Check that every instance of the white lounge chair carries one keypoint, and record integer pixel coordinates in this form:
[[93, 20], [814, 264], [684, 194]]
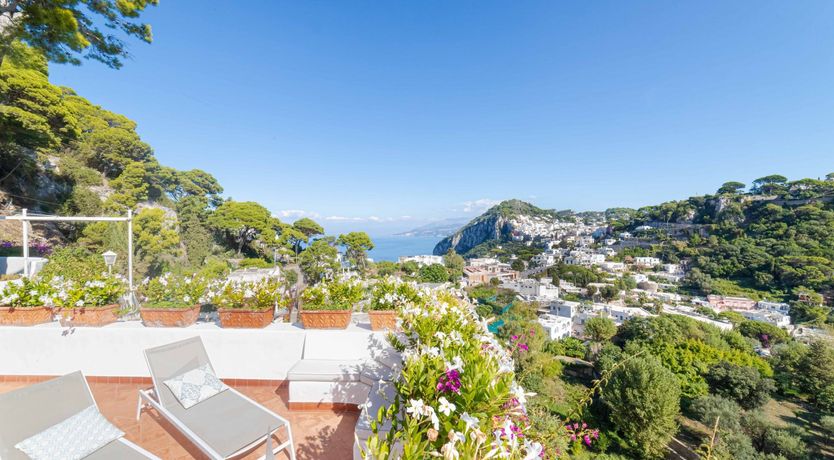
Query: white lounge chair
[[30, 410], [223, 426]]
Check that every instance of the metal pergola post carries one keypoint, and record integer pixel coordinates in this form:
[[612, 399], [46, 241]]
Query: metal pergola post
[[25, 219]]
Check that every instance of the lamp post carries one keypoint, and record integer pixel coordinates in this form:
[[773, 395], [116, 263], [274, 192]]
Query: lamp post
[[109, 260]]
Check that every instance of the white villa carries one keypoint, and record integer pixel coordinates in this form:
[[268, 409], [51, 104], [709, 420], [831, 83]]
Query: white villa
[[533, 289], [556, 327], [422, 259]]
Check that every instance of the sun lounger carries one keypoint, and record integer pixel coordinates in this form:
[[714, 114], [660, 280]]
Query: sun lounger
[[223, 426]]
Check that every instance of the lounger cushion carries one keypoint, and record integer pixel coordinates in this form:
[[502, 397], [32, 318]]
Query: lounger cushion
[[74, 438], [195, 386], [117, 450], [325, 370], [228, 422]]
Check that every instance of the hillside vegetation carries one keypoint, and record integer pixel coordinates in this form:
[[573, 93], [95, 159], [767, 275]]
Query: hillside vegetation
[[774, 240]]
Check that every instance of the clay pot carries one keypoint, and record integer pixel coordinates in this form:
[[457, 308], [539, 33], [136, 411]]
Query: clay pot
[[169, 317]]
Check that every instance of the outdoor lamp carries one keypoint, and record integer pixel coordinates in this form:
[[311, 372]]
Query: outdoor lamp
[[109, 259]]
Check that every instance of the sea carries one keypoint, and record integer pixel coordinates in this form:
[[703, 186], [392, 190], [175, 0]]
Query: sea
[[392, 247]]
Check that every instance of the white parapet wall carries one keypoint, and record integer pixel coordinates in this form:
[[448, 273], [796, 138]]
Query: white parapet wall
[[116, 350]]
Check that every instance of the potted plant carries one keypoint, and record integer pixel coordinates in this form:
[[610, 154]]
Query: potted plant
[[247, 304], [93, 302], [171, 300], [387, 297], [329, 305], [25, 303]]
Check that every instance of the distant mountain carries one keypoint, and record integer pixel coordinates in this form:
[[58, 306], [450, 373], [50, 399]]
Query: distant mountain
[[495, 225], [439, 229]]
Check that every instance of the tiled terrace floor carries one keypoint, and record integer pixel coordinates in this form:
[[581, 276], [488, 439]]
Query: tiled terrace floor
[[322, 434]]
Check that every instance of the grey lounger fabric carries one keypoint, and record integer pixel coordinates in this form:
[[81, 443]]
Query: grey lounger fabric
[[32, 409], [226, 422]]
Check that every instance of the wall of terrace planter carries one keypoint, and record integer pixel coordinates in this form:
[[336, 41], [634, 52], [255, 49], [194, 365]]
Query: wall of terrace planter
[[169, 317], [325, 319], [25, 316], [239, 318], [89, 316], [383, 320]]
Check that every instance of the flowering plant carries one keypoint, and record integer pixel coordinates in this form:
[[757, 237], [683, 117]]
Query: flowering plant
[[97, 292], [27, 293], [392, 294], [250, 295], [173, 291], [456, 394], [341, 294]]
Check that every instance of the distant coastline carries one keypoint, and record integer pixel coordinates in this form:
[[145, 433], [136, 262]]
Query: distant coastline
[[392, 247]]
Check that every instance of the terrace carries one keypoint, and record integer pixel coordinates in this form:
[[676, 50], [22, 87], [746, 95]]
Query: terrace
[[255, 362]]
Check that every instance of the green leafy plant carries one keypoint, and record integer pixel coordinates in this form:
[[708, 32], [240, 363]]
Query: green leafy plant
[[341, 294], [97, 292], [246, 295], [392, 294], [27, 293], [173, 291]]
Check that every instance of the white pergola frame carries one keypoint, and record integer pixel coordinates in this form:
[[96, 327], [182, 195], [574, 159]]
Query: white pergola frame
[[25, 218]]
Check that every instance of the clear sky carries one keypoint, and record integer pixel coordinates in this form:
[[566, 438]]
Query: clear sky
[[383, 115]]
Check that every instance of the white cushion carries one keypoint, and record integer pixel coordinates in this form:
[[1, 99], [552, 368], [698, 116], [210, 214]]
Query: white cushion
[[325, 370], [74, 438], [195, 386]]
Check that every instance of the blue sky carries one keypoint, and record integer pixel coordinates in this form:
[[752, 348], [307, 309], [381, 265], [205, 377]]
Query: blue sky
[[383, 115]]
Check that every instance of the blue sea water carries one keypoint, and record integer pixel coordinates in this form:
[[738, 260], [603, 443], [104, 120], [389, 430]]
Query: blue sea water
[[392, 247]]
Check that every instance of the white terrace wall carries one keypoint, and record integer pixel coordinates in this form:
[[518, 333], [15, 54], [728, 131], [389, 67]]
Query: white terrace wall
[[116, 350]]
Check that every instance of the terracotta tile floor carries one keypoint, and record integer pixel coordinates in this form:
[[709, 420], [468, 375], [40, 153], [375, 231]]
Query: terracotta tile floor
[[321, 434]]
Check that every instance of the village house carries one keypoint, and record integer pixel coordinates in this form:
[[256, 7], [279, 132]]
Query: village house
[[422, 259], [720, 303]]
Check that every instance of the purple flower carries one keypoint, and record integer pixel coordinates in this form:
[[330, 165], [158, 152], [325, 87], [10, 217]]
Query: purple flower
[[587, 440]]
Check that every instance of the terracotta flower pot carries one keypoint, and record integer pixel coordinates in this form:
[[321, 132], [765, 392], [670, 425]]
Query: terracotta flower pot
[[169, 317], [240, 318], [325, 319], [89, 316], [382, 320], [25, 316]]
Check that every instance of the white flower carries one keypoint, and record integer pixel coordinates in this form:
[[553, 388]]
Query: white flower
[[186, 299], [446, 408], [533, 449], [79, 303], [416, 408], [456, 364], [471, 422]]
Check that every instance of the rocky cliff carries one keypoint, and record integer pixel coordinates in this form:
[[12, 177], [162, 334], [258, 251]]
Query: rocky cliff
[[496, 224]]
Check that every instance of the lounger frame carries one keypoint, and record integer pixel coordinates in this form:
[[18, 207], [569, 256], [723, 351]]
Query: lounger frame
[[149, 397]]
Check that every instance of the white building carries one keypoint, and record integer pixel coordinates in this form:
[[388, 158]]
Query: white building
[[556, 327], [613, 267], [690, 312], [483, 262], [771, 317], [646, 261], [532, 289], [778, 307], [565, 308], [617, 314], [422, 259]]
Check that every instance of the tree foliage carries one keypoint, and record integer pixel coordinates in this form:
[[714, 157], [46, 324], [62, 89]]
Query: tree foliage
[[644, 400], [63, 30]]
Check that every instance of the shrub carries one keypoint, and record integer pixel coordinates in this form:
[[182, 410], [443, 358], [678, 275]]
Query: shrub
[[600, 329], [97, 292], [456, 396], [644, 399], [742, 384], [392, 294], [335, 295], [173, 291], [27, 293], [434, 273], [254, 263], [76, 264], [707, 408], [257, 295]]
